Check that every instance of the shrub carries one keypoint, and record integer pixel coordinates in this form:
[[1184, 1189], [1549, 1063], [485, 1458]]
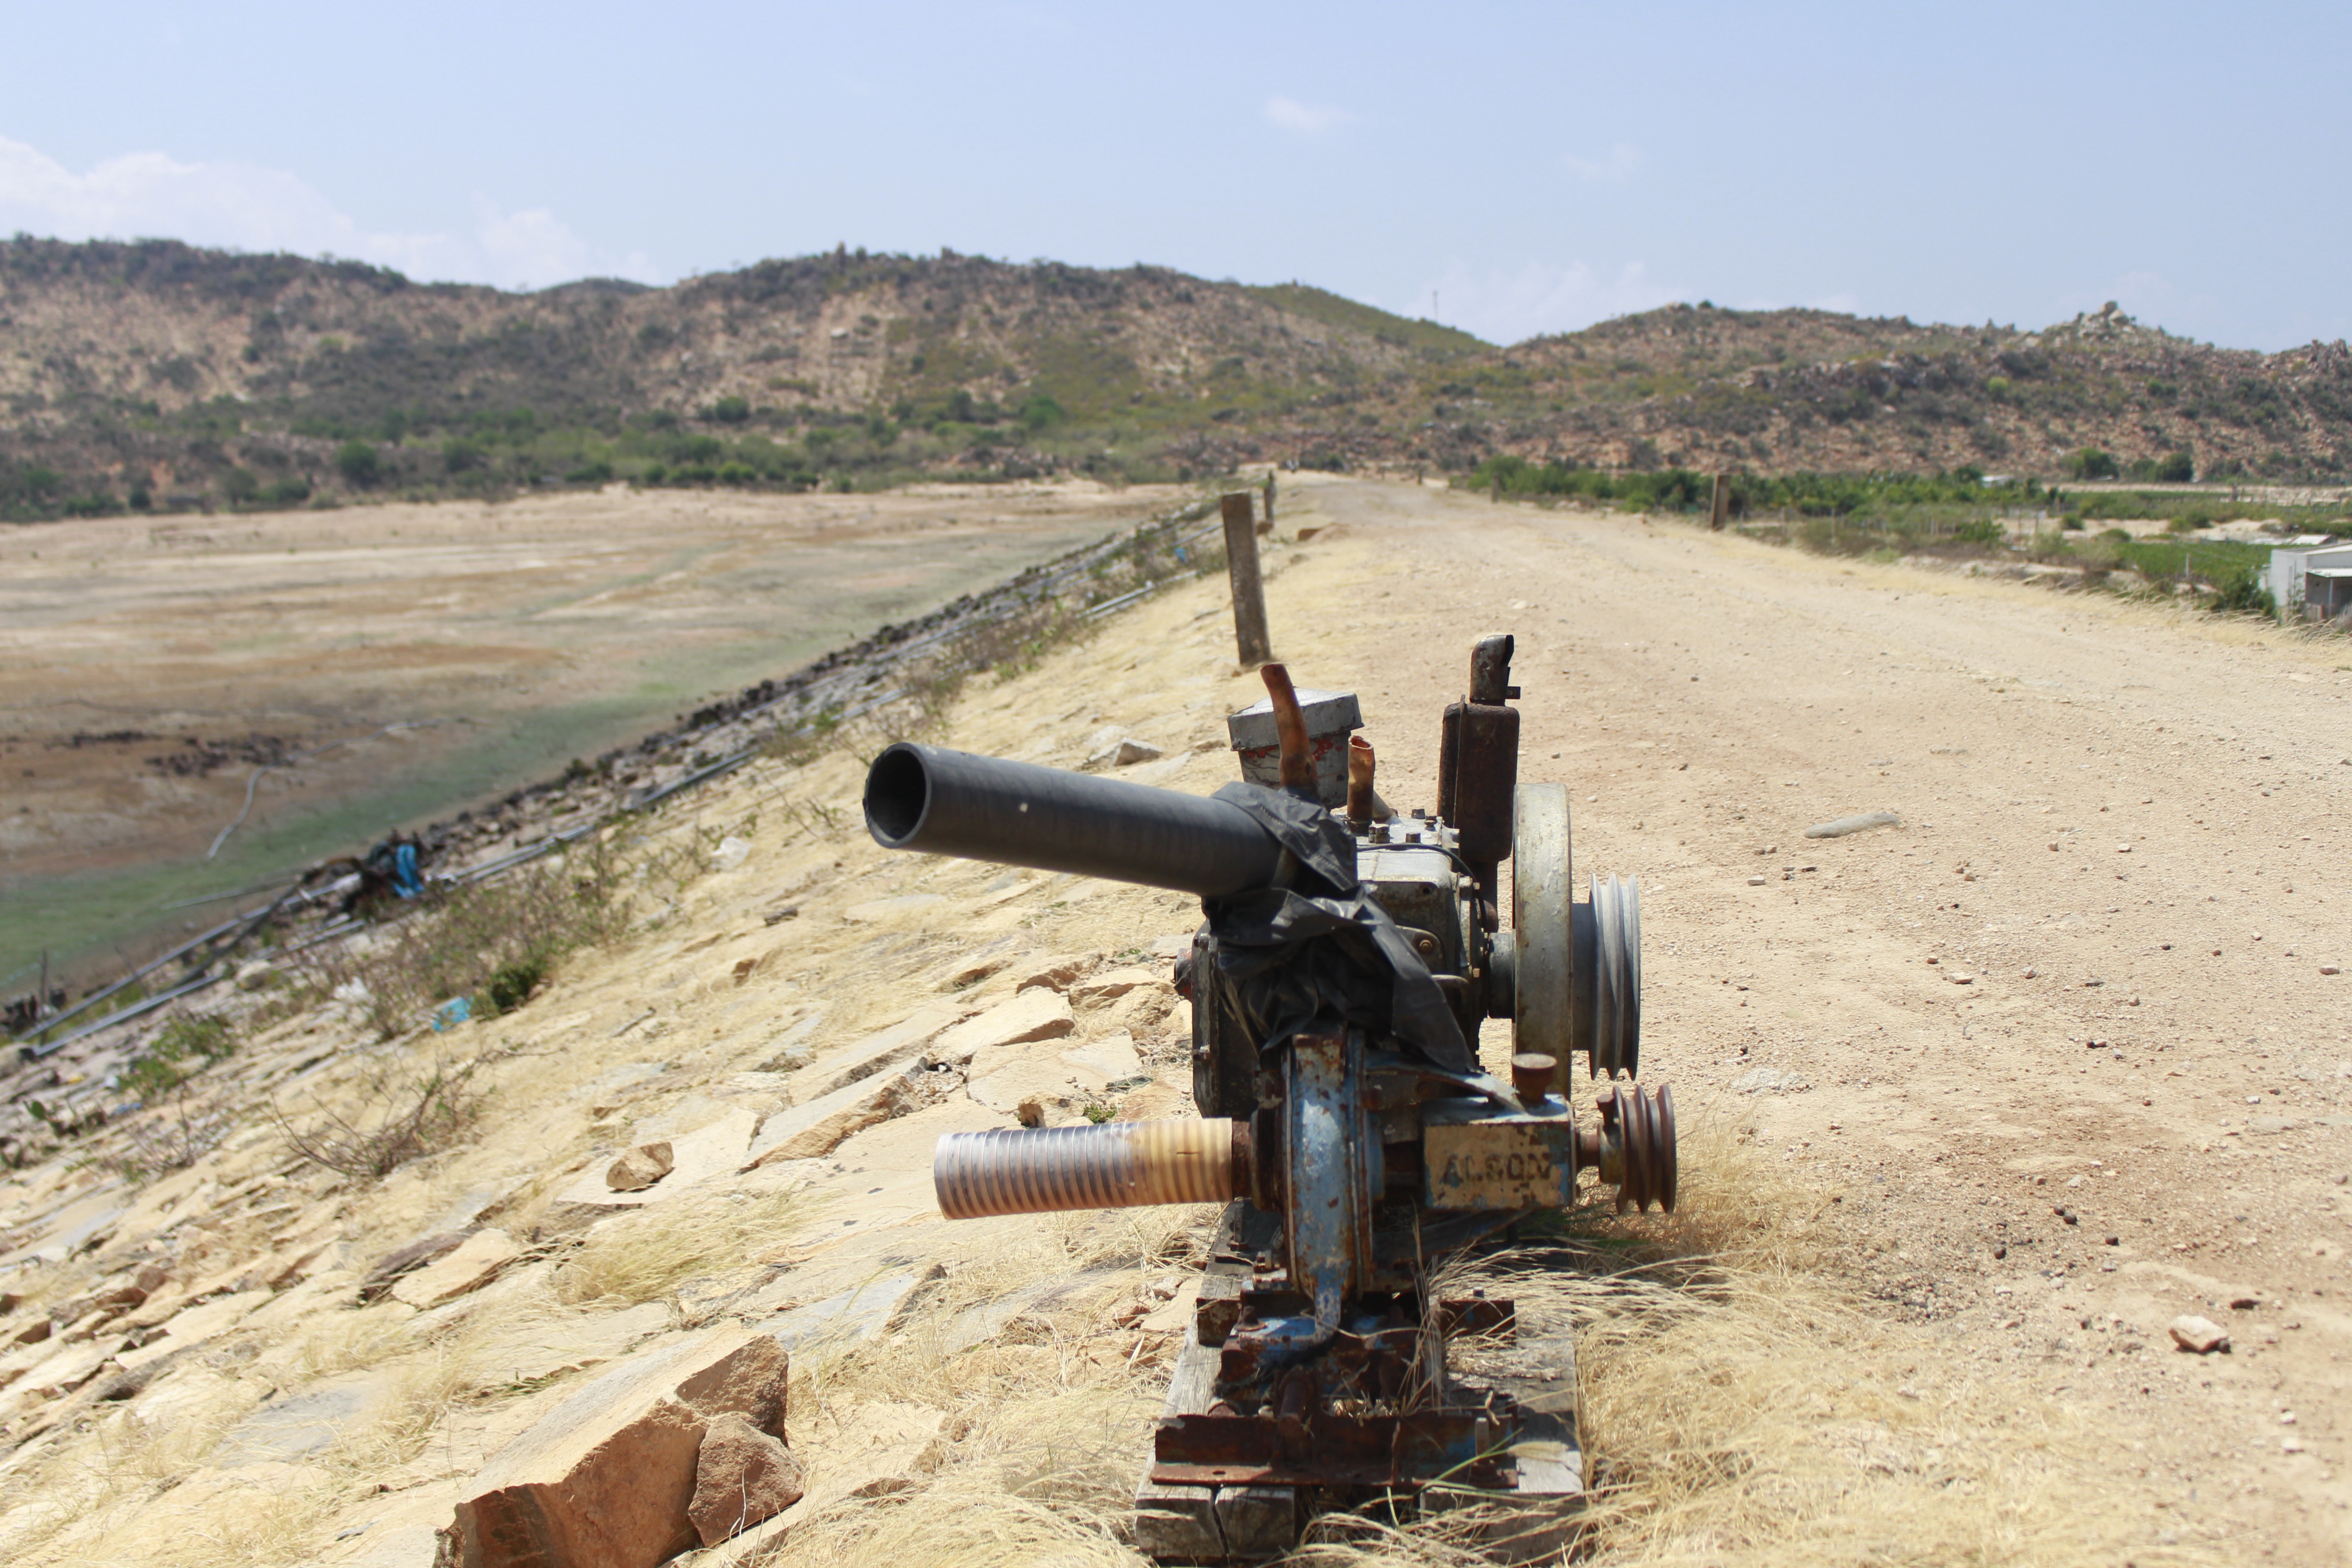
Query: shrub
[[240, 486], [2097, 556], [1041, 412], [1983, 531], [730, 410], [357, 462], [464, 939], [510, 986], [288, 493], [182, 1048], [459, 455], [2091, 463], [2242, 594], [2177, 469]]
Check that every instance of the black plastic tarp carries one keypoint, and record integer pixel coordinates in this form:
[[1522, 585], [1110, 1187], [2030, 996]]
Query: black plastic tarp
[[1321, 949]]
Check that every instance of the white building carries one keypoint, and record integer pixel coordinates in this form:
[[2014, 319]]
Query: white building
[[2314, 583]]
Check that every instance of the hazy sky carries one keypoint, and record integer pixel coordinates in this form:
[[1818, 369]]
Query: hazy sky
[[1539, 167]]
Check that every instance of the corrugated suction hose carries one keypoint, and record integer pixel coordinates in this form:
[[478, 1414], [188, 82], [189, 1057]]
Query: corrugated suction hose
[[1119, 1164]]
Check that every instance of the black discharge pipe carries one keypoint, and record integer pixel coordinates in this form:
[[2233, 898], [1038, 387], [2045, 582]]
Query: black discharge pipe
[[1018, 814]]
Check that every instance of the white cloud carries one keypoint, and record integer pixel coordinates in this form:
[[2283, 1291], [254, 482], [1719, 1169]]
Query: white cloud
[[244, 206], [1306, 118], [1612, 167], [1504, 306]]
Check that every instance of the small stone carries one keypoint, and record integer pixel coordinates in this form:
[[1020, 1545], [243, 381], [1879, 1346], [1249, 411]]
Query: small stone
[[1755, 882], [640, 1168], [2122, 849], [2329, 969], [2201, 1335]]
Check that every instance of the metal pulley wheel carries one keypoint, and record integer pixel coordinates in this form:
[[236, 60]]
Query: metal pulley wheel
[[1543, 958], [1607, 977], [1575, 969], [1646, 1163]]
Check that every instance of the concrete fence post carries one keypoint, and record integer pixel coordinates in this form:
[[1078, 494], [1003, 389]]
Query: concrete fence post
[[1719, 507]]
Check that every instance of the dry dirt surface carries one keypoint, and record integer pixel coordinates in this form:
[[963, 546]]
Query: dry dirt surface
[[392, 663], [1968, 1121], [2067, 1049]]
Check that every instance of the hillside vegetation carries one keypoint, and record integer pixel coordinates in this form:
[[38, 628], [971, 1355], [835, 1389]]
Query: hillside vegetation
[[157, 375]]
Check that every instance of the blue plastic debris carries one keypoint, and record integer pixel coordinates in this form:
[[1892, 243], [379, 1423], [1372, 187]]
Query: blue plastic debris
[[452, 1013], [404, 880]]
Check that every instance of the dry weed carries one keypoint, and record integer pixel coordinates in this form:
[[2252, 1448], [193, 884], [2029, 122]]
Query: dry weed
[[401, 1116], [642, 1256], [1742, 1402]]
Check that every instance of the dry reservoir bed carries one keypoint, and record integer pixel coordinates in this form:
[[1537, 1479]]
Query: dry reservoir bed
[[149, 667], [1974, 1107]]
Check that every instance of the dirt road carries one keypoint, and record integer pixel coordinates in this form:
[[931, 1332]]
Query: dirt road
[[2067, 1045]]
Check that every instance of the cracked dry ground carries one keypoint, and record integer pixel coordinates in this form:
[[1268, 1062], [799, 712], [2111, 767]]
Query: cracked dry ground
[[1962, 1057]]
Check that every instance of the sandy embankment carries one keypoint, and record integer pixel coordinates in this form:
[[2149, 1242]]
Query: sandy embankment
[[1923, 1354]]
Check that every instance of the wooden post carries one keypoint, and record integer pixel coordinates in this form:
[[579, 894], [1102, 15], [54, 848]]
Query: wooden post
[[1269, 501], [1249, 589], [1719, 507]]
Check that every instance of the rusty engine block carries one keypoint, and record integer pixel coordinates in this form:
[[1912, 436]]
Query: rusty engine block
[[1337, 985]]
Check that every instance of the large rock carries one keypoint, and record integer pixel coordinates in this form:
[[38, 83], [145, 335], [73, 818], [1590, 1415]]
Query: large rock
[[195, 1325], [812, 1130], [742, 1477], [1113, 983], [607, 1479], [877, 1053], [472, 1265], [378, 1281], [1037, 1013]]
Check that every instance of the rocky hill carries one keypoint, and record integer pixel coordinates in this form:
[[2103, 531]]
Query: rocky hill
[[156, 375]]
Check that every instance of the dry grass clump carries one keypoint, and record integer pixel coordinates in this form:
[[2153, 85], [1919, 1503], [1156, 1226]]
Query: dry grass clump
[[1046, 1418], [646, 1255], [1741, 1402]]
